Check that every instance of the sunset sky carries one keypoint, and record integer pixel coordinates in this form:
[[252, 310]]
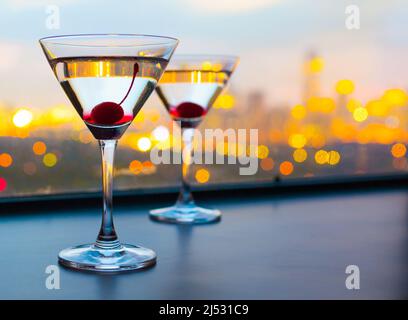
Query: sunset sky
[[272, 38]]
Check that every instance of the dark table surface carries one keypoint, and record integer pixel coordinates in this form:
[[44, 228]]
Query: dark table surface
[[266, 247]]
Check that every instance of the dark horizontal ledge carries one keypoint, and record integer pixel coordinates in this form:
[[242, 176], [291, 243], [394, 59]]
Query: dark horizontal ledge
[[303, 186]]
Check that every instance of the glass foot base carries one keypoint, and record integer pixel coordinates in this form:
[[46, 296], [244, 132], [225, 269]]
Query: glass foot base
[[89, 257], [185, 215]]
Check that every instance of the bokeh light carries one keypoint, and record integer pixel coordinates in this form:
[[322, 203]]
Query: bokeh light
[[39, 148], [50, 160], [29, 168], [300, 155], [144, 144], [22, 118], [315, 65], [135, 167], [334, 157], [202, 175], [321, 157], [298, 112], [398, 150], [378, 108], [353, 104], [148, 167], [297, 140], [321, 104], [3, 184], [262, 152], [267, 164], [400, 163], [360, 114], [396, 97], [392, 122], [224, 101], [286, 168], [161, 133], [6, 160], [344, 87], [206, 65]]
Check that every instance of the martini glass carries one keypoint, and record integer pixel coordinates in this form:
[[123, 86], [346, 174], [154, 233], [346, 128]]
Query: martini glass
[[108, 78], [188, 89]]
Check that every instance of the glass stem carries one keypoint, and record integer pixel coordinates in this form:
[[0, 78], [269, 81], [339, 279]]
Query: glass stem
[[107, 238], [185, 197]]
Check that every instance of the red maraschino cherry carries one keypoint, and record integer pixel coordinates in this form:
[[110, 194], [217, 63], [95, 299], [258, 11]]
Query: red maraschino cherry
[[108, 112], [188, 110]]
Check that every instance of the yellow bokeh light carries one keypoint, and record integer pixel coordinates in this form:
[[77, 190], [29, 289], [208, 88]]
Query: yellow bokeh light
[[396, 97], [39, 148], [321, 157], [297, 140], [206, 66], [321, 104], [144, 144], [398, 150], [6, 160], [298, 112], [262, 152], [300, 155], [140, 117], [61, 113], [50, 160], [217, 67], [224, 101], [353, 104], [344, 87], [202, 175], [378, 108], [22, 118], [315, 65], [135, 167], [360, 114], [334, 157], [286, 168]]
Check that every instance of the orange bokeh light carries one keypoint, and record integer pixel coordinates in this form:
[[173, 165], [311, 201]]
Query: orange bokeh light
[[398, 150], [202, 175], [267, 164], [286, 168], [39, 148], [136, 167], [5, 160], [148, 167]]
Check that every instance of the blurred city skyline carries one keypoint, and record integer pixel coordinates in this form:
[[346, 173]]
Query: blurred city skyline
[[272, 38]]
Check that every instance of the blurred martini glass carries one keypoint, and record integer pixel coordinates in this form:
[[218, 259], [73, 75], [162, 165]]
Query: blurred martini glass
[[188, 89], [108, 78]]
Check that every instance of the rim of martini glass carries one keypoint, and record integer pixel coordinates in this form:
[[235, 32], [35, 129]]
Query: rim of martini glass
[[50, 39], [203, 56], [177, 58]]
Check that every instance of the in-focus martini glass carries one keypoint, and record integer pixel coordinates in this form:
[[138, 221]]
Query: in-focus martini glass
[[108, 79], [188, 89]]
